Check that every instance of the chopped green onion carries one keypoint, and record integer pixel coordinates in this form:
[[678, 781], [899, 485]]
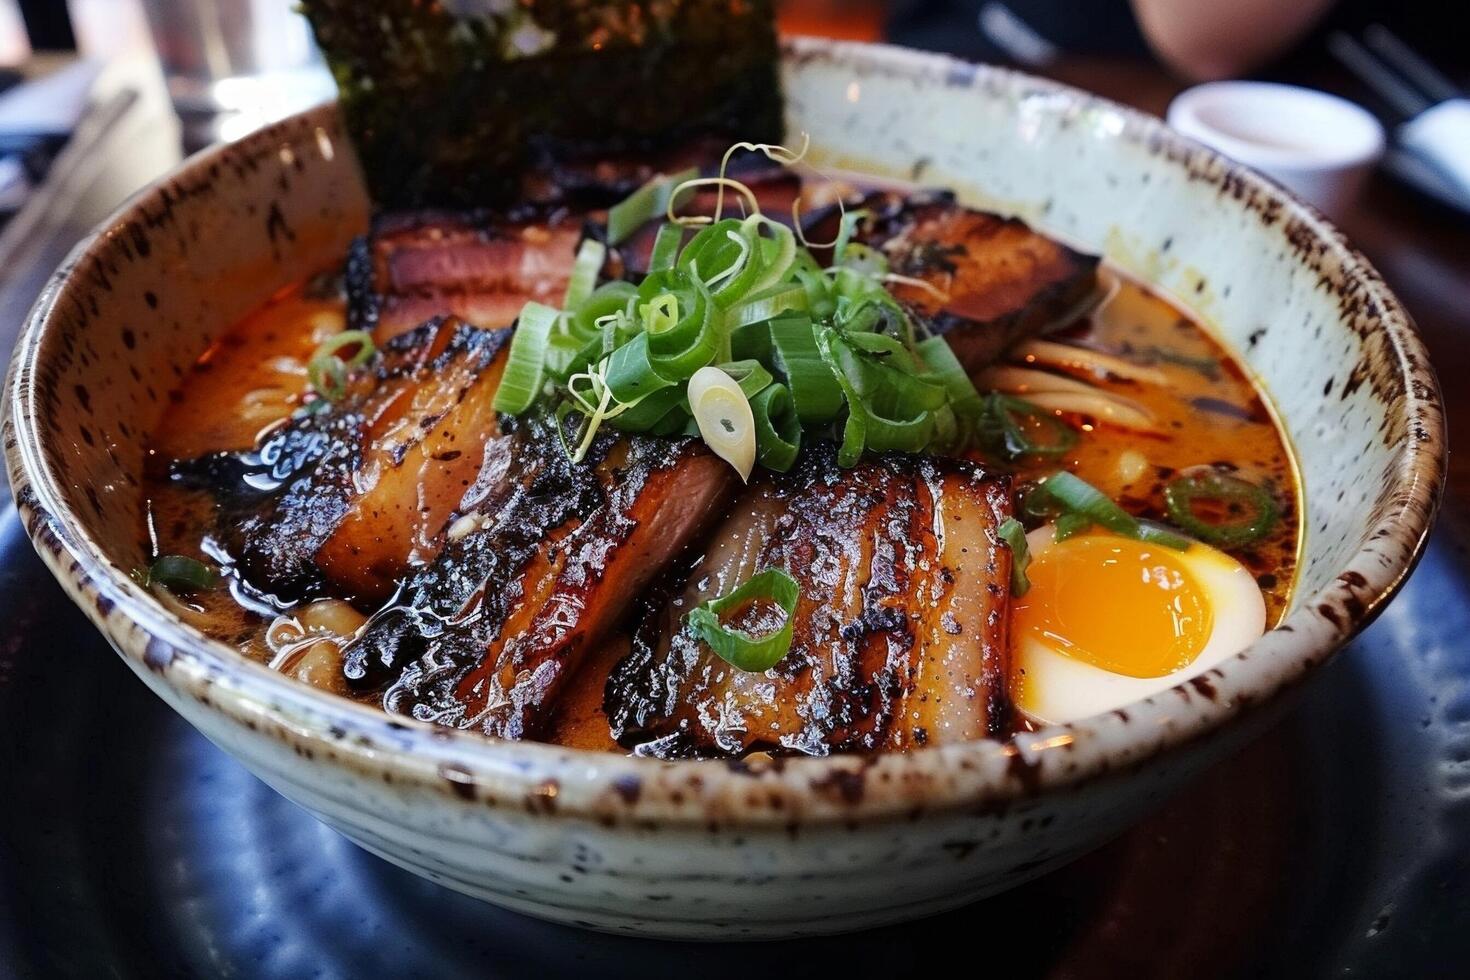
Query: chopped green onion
[[590, 256], [940, 360], [1071, 524], [665, 248], [801, 347], [630, 372], [725, 258], [663, 412], [855, 426], [864, 260], [773, 302], [645, 204], [846, 227], [815, 394], [723, 415], [1014, 535], [737, 647], [610, 300], [751, 375], [525, 367], [179, 572], [1075, 496], [328, 370], [775, 254], [1009, 427], [777, 429], [1241, 513], [680, 348]]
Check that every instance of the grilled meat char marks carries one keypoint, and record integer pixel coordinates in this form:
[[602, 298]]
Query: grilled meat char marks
[[1003, 281], [552, 555], [346, 497], [899, 631]]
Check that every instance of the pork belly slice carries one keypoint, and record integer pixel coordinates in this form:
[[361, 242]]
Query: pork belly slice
[[543, 564], [474, 265], [899, 631], [418, 466], [351, 495], [1003, 281]]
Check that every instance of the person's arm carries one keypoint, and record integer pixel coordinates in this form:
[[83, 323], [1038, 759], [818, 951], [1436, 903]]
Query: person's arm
[[1208, 40]]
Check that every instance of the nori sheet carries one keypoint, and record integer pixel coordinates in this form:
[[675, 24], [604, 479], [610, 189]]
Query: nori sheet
[[449, 101]]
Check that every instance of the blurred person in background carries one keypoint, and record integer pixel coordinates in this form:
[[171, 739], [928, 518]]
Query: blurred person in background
[[1197, 39]]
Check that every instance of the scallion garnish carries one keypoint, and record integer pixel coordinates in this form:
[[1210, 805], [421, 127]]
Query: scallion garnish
[[645, 204], [772, 587], [1236, 511], [590, 256], [1080, 505], [178, 572], [1014, 536], [328, 370], [520, 385], [722, 412], [1013, 428], [806, 350]]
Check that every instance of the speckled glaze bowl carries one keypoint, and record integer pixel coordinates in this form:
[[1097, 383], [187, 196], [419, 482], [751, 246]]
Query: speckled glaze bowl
[[707, 849]]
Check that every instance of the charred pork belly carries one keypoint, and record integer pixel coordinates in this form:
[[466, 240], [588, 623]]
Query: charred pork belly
[[1001, 281], [480, 267], [352, 495], [543, 561], [899, 636]]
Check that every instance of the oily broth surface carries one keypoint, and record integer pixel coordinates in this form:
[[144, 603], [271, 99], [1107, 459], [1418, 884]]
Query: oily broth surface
[[1207, 418], [255, 375]]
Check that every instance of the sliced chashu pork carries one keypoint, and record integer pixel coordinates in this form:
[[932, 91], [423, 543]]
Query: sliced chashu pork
[[355, 494], [480, 267], [994, 280], [544, 562], [899, 632]]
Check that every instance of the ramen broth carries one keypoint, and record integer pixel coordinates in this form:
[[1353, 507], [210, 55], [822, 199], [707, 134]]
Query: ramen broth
[[255, 375]]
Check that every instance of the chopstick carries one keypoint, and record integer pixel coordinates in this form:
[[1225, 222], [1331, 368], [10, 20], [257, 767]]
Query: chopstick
[[1399, 94], [1430, 80]]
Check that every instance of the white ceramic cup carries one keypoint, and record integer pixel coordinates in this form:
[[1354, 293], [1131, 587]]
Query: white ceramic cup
[[1318, 146]]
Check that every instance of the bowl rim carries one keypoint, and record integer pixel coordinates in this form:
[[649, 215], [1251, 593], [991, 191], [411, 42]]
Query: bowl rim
[[458, 768]]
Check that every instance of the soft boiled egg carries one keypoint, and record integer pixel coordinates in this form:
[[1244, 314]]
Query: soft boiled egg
[[1109, 620]]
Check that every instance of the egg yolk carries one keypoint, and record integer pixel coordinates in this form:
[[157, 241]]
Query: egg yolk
[[1117, 604]]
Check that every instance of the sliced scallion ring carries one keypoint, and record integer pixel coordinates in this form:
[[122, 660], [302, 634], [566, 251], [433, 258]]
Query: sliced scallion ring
[[1014, 428], [737, 647], [1237, 512], [777, 429], [525, 366], [724, 418], [328, 370], [180, 573]]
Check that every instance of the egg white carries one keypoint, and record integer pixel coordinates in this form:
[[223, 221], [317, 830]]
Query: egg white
[[1056, 688]]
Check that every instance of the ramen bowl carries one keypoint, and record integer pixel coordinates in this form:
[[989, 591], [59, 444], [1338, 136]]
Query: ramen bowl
[[706, 849]]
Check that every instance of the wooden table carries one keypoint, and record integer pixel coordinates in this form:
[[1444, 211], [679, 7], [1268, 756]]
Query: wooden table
[[1421, 248]]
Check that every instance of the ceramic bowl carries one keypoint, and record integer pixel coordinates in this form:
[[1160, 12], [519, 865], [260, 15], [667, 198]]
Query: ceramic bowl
[[710, 849]]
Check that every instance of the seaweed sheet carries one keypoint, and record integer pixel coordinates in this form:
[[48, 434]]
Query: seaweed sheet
[[450, 101]]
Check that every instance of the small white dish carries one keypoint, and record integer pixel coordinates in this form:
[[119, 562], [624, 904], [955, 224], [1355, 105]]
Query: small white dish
[[1318, 146]]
